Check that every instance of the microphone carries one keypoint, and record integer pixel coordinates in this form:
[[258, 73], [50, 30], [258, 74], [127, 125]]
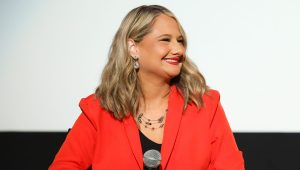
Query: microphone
[[152, 159]]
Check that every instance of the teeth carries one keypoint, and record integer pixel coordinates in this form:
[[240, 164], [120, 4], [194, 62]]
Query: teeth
[[171, 60]]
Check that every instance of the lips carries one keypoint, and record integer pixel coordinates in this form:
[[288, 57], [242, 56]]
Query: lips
[[173, 60]]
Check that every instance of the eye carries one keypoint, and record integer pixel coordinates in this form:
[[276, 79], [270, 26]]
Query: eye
[[165, 39], [180, 41]]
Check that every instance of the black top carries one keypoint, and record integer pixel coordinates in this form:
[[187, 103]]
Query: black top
[[148, 144]]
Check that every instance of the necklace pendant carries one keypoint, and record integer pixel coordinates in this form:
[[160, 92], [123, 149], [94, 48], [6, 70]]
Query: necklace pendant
[[151, 124], [139, 120], [140, 115], [160, 119], [162, 125]]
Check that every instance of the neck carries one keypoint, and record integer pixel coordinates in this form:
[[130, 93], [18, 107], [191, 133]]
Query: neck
[[154, 93]]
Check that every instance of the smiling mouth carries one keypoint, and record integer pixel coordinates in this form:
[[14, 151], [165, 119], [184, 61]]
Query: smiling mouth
[[174, 60]]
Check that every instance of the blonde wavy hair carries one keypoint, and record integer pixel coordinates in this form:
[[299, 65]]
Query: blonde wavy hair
[[119, 90]]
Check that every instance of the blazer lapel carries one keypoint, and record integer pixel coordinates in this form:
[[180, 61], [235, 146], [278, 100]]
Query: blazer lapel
[[134, 139], [172, 124]]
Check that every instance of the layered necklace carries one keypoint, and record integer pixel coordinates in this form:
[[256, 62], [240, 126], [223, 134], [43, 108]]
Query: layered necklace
[[151, 123]]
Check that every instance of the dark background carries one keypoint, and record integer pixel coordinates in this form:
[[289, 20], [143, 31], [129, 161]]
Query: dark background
[[262, 151]]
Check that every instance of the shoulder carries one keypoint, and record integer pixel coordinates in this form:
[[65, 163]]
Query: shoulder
[[211, 96], [211, 99], [92, 109], [90, 103]]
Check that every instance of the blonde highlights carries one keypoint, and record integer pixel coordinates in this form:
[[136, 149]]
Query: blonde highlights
[[119, 90]]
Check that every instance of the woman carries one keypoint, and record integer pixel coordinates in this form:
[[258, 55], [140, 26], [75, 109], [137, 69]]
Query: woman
[[151, 97]]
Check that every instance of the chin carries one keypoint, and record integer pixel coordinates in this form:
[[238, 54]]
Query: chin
[[173, 74]]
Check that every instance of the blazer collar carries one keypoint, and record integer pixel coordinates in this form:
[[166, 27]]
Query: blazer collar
[[172, 124], [132, 133]]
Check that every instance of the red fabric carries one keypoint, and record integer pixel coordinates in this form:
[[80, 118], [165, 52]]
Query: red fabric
[[193, 139]]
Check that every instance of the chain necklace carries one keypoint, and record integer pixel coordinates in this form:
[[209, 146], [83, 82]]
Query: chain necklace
[[151, 123]]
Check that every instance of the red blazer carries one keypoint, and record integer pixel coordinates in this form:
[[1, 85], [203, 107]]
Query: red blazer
[[193, 139]]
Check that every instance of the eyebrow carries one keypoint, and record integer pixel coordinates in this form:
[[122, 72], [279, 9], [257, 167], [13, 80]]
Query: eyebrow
[[169, 35]]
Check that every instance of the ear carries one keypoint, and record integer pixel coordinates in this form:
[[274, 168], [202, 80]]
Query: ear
[[132, 48]]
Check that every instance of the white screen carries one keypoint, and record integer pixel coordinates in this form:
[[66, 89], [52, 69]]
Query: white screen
[[52, 54]]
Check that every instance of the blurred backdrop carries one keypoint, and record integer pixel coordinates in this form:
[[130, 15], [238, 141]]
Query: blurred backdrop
[[52, 54]]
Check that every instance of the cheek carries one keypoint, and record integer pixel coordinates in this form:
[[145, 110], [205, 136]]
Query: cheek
[[154, 52], [151, 52], [160, 50], [183, 49]]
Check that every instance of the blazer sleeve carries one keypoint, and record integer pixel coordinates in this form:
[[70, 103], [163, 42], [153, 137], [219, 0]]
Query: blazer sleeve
[[225, 153], [76, 152]]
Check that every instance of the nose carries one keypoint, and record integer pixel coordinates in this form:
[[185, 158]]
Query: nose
[[177, 48]]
